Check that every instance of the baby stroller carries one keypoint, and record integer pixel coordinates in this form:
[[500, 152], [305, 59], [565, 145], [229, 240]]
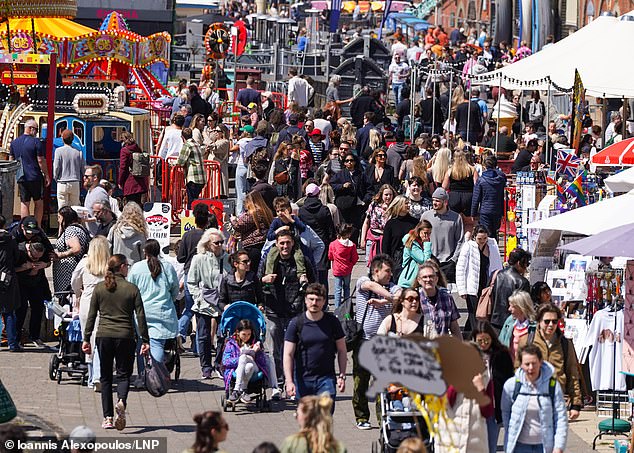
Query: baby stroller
[[69, 357], [228, 322], [399, 418]]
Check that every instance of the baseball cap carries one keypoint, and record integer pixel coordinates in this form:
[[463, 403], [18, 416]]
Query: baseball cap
[[30, 224], [315, 132], [312, 190], [252, 105], [248, 128], [440, 194]]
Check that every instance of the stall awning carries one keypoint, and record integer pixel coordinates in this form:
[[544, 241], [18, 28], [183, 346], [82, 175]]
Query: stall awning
[[52, 26]]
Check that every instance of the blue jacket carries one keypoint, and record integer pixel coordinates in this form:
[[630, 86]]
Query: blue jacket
[[412, 258], [554, 421], [158, 298], [488, 194]]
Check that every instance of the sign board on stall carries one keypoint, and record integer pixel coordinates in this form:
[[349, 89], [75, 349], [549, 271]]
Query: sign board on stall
[[187, 221], [159, 222], [86, 103], [19, 77]]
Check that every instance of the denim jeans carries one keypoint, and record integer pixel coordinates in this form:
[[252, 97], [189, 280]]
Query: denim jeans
[[397, 88], [493, 431], [204, 341], [526, 448], [241, 186], [94, 370], [157, 350], [274, 341], [316, 386], [368, 247], [342, 285], [186, 317], [10, 324]]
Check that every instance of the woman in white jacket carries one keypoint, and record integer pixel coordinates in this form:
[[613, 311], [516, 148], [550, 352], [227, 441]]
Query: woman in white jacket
[[479, 259]]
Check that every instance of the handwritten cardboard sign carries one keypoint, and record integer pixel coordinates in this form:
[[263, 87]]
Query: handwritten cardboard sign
[[402, 361]]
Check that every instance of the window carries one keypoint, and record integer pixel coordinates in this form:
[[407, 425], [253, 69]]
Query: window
[[106, 144], [589, 11], [452, 20], [79, 130]]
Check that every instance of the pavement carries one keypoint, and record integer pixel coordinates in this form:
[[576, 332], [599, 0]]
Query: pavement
[[48, 408]]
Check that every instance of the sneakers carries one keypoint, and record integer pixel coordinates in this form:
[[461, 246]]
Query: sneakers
[[245, 398], [364, 425], [217, 374], [234, 396], [119, 421], [276, 394], [206, 374], [107, 423], [39, 344]]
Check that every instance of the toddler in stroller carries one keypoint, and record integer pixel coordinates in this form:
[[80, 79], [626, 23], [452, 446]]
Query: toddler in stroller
[[245, 365], [400, 420]]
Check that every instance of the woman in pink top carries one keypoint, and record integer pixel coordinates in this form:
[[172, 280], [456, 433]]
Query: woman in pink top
[[343, 255]]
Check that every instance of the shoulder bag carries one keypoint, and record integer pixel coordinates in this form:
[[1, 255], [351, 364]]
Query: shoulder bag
[[485, 303]]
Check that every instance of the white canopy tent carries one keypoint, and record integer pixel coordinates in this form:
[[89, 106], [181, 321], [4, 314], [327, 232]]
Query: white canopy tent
[[593, 218], [621, 182], [599, 51]]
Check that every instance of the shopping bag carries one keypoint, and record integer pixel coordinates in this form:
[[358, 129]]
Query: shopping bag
[[157, 377], [8, 410]]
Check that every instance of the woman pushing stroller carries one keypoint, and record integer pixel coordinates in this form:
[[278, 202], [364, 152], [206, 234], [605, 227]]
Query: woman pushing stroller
[[243, 354]]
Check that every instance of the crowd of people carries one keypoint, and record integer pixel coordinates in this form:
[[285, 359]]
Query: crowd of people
[[313, 189]]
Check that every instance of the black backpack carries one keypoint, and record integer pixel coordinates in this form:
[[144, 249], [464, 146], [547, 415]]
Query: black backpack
[[140, 164]]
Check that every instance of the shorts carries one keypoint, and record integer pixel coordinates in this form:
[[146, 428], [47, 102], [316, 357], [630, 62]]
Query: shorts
[[30, 190], [460, 202]]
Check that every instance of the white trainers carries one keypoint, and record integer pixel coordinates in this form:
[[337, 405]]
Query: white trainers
[[276, 394]]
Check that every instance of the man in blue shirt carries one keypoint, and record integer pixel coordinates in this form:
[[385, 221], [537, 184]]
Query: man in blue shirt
[[33, 176]]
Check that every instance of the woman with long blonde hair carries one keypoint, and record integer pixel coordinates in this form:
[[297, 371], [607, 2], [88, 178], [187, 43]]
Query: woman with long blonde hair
[[375, 139], [129, 234], [459, 182], [375, 219], [439, 167], [89, 272], [315, 422]]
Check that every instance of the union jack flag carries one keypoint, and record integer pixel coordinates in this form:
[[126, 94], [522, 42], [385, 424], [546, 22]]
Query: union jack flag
[[567, 163]]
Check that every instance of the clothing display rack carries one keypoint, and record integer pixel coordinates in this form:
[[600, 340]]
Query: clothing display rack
[[613, 426]]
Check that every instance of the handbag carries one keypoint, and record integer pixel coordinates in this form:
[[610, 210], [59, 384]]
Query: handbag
[[485, 303], [281, 178], [8, 410], [210, 295], [157, 377]]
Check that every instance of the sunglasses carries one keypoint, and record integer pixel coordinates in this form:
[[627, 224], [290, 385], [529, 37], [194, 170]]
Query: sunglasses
[[88, 176], [218, 242], [341, 148], [245, 262], [380, 156], [411, 299], [483, 341], [550, 321], [349, 161]]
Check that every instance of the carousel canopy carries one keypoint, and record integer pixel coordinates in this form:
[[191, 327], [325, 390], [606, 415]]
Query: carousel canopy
[[606, 72], [54, 27]]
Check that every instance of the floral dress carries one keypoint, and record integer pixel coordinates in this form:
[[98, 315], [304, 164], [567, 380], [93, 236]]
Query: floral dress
[[63, 269]]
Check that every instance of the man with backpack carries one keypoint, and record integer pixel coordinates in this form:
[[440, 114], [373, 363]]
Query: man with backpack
[[560, 352], [312, 340]]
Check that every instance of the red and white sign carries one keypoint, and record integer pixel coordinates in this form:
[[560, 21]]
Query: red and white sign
[[159, 222]]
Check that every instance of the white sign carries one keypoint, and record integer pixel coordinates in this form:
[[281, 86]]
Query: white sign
[[402, 361], [159, 222]]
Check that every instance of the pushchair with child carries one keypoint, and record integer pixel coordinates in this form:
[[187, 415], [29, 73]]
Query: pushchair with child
[[400, 420], [69, 357], [256, 386]]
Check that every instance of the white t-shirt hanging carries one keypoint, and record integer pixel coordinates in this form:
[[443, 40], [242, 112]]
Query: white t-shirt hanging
[[601, 337]]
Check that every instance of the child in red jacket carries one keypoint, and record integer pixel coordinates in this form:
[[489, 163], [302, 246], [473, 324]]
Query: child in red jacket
[[343, 255]]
